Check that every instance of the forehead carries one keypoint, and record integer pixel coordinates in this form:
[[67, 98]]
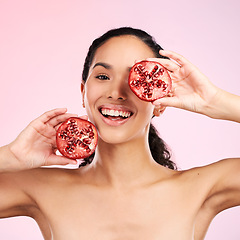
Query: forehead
[[122, 50]]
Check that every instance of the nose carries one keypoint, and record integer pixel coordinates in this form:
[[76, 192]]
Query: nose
[[118, 89]]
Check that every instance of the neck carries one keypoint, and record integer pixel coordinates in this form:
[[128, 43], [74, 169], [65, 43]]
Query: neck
[[124, 164]]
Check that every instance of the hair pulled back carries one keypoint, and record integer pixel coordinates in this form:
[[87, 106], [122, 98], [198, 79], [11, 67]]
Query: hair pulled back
[[158, 148]]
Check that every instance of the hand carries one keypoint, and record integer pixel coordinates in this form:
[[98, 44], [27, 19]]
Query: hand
[[191, 89], [36, 144]]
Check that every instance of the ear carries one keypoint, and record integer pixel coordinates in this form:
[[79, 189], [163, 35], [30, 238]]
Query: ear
[[158, 110], [83, 93]]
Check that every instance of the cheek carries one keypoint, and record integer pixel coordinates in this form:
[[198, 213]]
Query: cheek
[[143, 117], [145, 109], [92, 90], [92, 93]]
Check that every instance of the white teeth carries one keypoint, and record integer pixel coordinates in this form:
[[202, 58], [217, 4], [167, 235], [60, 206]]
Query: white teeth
[[115, 113]]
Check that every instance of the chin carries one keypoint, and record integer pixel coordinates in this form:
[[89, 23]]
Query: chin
[[121, 137]]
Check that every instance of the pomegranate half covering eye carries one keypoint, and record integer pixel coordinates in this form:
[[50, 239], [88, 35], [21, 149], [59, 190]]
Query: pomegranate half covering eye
[[149, 80], [76, 138]]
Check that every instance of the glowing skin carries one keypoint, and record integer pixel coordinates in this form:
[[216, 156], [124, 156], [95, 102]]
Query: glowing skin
[[107, 90], [123, 193]]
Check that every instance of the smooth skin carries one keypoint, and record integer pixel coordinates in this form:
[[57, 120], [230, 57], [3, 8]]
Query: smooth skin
[[124, 193]]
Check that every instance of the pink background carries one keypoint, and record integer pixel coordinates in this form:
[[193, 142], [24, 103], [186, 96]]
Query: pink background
[[42, 48]]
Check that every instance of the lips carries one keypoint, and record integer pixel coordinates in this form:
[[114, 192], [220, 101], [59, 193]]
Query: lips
[[115, 115]]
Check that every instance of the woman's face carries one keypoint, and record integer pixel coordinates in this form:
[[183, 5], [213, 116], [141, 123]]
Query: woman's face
[[112, 107]]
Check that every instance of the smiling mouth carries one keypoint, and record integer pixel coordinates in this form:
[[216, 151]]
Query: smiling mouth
[[115, 114]]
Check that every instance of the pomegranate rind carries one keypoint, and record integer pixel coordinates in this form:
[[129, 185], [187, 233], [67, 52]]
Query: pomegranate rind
[[72, 135], [147, 83]]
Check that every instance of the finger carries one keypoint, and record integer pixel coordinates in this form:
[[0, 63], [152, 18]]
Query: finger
[[158, 110], [52, 113], [60, 118], [170, 65], [56, 123], [167, 102], [175, 56], [60, 160], [85, 117]]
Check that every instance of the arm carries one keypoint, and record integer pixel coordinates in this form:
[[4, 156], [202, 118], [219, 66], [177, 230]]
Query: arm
[[36, 145], [225, 193], [193, 91]]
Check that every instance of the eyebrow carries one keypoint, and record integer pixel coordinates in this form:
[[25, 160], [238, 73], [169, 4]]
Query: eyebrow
[[105, 65]]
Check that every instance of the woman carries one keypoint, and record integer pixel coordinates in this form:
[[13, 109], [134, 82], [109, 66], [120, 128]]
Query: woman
[[124, 193]]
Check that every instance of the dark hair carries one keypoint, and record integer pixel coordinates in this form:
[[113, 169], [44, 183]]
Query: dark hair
[[158, 148]]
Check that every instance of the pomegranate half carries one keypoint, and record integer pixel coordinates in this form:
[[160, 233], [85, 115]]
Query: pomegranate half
[[149, 80], [76, 138]]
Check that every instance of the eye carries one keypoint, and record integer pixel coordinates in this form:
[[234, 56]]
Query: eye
[[102, 77]]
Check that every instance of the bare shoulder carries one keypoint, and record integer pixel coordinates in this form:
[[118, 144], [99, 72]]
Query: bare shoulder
[[223, 180], [31, 183], [220, 181], [35, 176], [52, 177], [22, 193], [215, 172], [222, 175]]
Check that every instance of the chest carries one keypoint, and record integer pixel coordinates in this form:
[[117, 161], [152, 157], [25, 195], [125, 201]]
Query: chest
[[144, 214]]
